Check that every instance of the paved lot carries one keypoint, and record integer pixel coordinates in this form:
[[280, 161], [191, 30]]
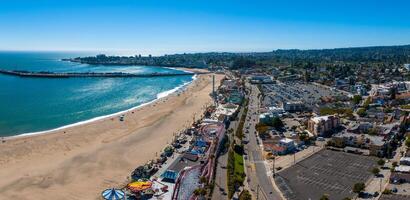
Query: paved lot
[[395, 197], [326, 172], [309, 93]]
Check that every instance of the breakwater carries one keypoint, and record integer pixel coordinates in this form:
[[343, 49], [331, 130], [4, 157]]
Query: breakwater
[[22, 73]]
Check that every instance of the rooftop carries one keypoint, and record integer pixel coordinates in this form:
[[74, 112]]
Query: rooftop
[[286, 140], [402, 168], [320, 118]]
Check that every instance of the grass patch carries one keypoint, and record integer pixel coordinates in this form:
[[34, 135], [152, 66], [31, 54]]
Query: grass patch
[[235, 171], [239, 169]]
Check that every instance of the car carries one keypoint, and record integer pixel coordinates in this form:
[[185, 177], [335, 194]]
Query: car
[[394, 190]]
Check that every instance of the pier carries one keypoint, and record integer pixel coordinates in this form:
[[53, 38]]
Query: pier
[[27, 74]]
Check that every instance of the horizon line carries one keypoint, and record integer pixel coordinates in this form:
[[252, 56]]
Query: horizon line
[[189, 52]]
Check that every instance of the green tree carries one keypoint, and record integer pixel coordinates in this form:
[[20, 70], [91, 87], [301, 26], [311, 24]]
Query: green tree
[[324, 197], [408, 142], [358, 187], [386, 191], [393, 92], [203, 179], [242, 62], [277, 123], [304, 136], [361, 112], [375, 171], [200, 192], [367, 103], [380, 162], [356, 99], [245, 195]]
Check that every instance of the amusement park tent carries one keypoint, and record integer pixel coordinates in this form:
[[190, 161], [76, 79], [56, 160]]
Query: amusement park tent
[[170, 176], [113, 194]]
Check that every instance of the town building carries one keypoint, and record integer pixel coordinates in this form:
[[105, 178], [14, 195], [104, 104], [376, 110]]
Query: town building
[[293, 106], [375, 144], [319, 126], [405, 161], [261, 79], [266, 118], [288, 144]]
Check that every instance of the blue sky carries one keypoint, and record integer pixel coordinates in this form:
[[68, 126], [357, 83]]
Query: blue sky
[[159, 27]]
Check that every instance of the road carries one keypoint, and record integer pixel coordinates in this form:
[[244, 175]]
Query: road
[[258, 177]]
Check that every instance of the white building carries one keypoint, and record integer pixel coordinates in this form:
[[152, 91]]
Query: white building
[[289, 144]]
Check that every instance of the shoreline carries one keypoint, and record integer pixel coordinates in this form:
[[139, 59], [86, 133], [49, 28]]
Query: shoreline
[[160, 96], [79, 162]]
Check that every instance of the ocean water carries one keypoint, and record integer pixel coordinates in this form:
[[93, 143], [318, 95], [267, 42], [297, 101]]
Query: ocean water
[[38, 104]]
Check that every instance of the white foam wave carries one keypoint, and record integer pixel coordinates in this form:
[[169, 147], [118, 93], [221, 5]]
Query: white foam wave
[[159, 96]]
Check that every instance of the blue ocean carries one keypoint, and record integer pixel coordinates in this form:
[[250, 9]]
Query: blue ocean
[[38, 104]]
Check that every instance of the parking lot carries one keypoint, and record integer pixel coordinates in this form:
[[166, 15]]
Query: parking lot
[[394, 197], [309, 93], [326, 172]]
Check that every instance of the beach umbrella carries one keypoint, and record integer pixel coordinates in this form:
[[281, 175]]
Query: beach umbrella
[[113, 194]]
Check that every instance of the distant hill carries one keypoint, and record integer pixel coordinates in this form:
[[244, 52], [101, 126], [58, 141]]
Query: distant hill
[[356, 54], [376, 54]]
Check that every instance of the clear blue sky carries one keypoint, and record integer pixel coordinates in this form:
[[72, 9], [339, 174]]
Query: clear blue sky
[[159, 26]]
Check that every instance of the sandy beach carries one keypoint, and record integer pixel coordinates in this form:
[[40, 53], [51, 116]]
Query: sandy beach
[[79, 162]]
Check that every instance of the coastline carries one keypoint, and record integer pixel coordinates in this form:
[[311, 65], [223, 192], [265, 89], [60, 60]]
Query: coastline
[[116, 114], [79, 162]]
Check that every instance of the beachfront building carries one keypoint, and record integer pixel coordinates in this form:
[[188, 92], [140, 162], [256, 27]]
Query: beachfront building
[[230, 91], [319, 126]]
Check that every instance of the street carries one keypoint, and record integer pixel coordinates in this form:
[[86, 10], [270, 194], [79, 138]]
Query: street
[[258, 178]]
